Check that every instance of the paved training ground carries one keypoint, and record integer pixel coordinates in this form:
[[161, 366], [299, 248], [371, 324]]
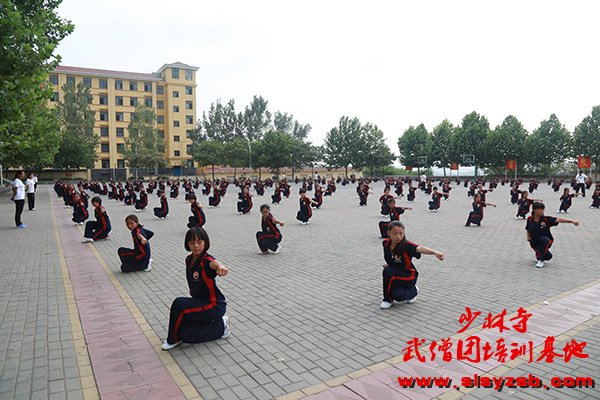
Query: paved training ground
[[305, 321]]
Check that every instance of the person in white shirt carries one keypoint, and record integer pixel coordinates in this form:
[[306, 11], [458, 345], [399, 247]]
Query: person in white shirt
[[581, 178], [35, 180], [19, 198], [30, 189]]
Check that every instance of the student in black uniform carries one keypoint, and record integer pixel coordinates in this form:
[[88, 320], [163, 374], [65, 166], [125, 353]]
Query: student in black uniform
[[245, 204], [270, 236], [216, 197], [305, 210], [399, 273], [318, 199], [276, 196], [139, 258], [200, 318], [538, 232], [524, 204], [383, 199], [394, 213], [99, 229], [476, 216], [436, 199], [162, 211], [198, 218], [142, 203], [80, 212], [566, 200], [596, 198]]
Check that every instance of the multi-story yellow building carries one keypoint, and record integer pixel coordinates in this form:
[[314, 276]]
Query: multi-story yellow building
[[171, 92]]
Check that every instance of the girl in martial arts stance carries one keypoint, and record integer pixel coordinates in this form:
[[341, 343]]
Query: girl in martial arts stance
[[394, 213], [99, 229], [399, 273], [524, 204], [270, 236], [276, 196], [142, 203], [596, 198], [476, 216], [305, 210], [80, 212], [318, 199], [198, 218], [162, 211], [383, 199], [200, 318], [538, 232], [139, 258], [245, 204], [436, 198], [566, 200], [216, 197]]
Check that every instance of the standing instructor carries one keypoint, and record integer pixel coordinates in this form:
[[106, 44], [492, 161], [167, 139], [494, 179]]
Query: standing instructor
[[18, 197]]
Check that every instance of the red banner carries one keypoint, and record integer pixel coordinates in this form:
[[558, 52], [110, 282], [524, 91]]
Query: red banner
[[408, 167], [511, 165], [454, 166], [584, 162]]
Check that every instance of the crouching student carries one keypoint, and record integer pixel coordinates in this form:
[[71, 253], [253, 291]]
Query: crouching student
[[162, 211], [99, 229], [142, 203], [139, 258], [305, 208], [198, 218], [270, 236], [80, 212], [399, 273], [476, 216], [394, 213], [201, 317]]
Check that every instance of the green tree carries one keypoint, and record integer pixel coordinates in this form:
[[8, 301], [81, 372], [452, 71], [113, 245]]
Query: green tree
[[78, 143], [142, 146], [254, 122], [221, 123], [284, 122], [375, 152], [586, 137], [550, 143], [413, 143], [208, 152], [29, 34], [470, 138], [506, 142], [441, 151], [274, 151], [342, 146], [235, 154]]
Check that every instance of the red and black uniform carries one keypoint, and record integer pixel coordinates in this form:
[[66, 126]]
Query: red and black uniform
[[270, 236], [136, 259], [216, 197], [362, 195], [198, 218], [100, 228], [383, 199], [435, 202], [84, 198], [476, 216], [394, 216], [163, 210], [80, 212], [566, 200], [198, 318], [399, 275], [142, 203], [305, 210], [245, 204], [174, 191], [595, 201], [318, 198], [276, 196], [541, 238], [524, 206], [411, 193], [514, 195]]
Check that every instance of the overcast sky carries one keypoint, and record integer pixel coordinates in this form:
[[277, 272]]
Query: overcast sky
[[392, 63]]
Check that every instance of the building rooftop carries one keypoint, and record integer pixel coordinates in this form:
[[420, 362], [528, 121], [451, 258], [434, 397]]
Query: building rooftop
[[178, 64], [108, 73]]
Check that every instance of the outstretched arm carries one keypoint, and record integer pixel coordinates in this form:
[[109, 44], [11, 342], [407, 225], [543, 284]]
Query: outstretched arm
[[217, 266], [567, 221], [426, 250]]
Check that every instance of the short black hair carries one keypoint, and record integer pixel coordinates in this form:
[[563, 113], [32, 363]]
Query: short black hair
[[392, 200], [196, 232], [302, 191], [192, 196], [537, 205], [265, 206], [97, 199]]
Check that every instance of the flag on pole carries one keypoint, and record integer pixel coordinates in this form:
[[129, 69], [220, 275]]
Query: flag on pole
[[511, 165], [584, 162]]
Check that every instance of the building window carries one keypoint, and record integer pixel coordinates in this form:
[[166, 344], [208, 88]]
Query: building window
[[175, 93], [104, 148], [104, 131], [87, 82], [133, 86], [55, 96], [189, 105], [119, 84], [133, 101], [120, 147], [190, 164], [189, 90], [120, 163], [175, 73], [161, 148], [147, 86], [188, 149], [176, 124], [188, 134], [176, 138], [120, 132], [175, 108], [119, 100], [54, 79], [103, 115], [148, 101], [161, 133], [103, 83], [105, 163], [132, 117], [189, 119], [160, 89], [70, 80], [160, 104], [188, 74], [119, 117], [160, 119], [103, 99], [177, 153]]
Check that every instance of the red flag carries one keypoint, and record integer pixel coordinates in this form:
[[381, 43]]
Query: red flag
[[454, 166], [511, 165], [584, 162], [408, 167]]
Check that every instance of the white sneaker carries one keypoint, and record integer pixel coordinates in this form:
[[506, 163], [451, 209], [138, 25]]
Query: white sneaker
[[263, 253], [278, 249], [227, 331], [149, 267], [33, 209], [108, 236], [385, 305], [168, 346], [540, 264], [410, 301], [80, 223], [87, 240], [304, 223]]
